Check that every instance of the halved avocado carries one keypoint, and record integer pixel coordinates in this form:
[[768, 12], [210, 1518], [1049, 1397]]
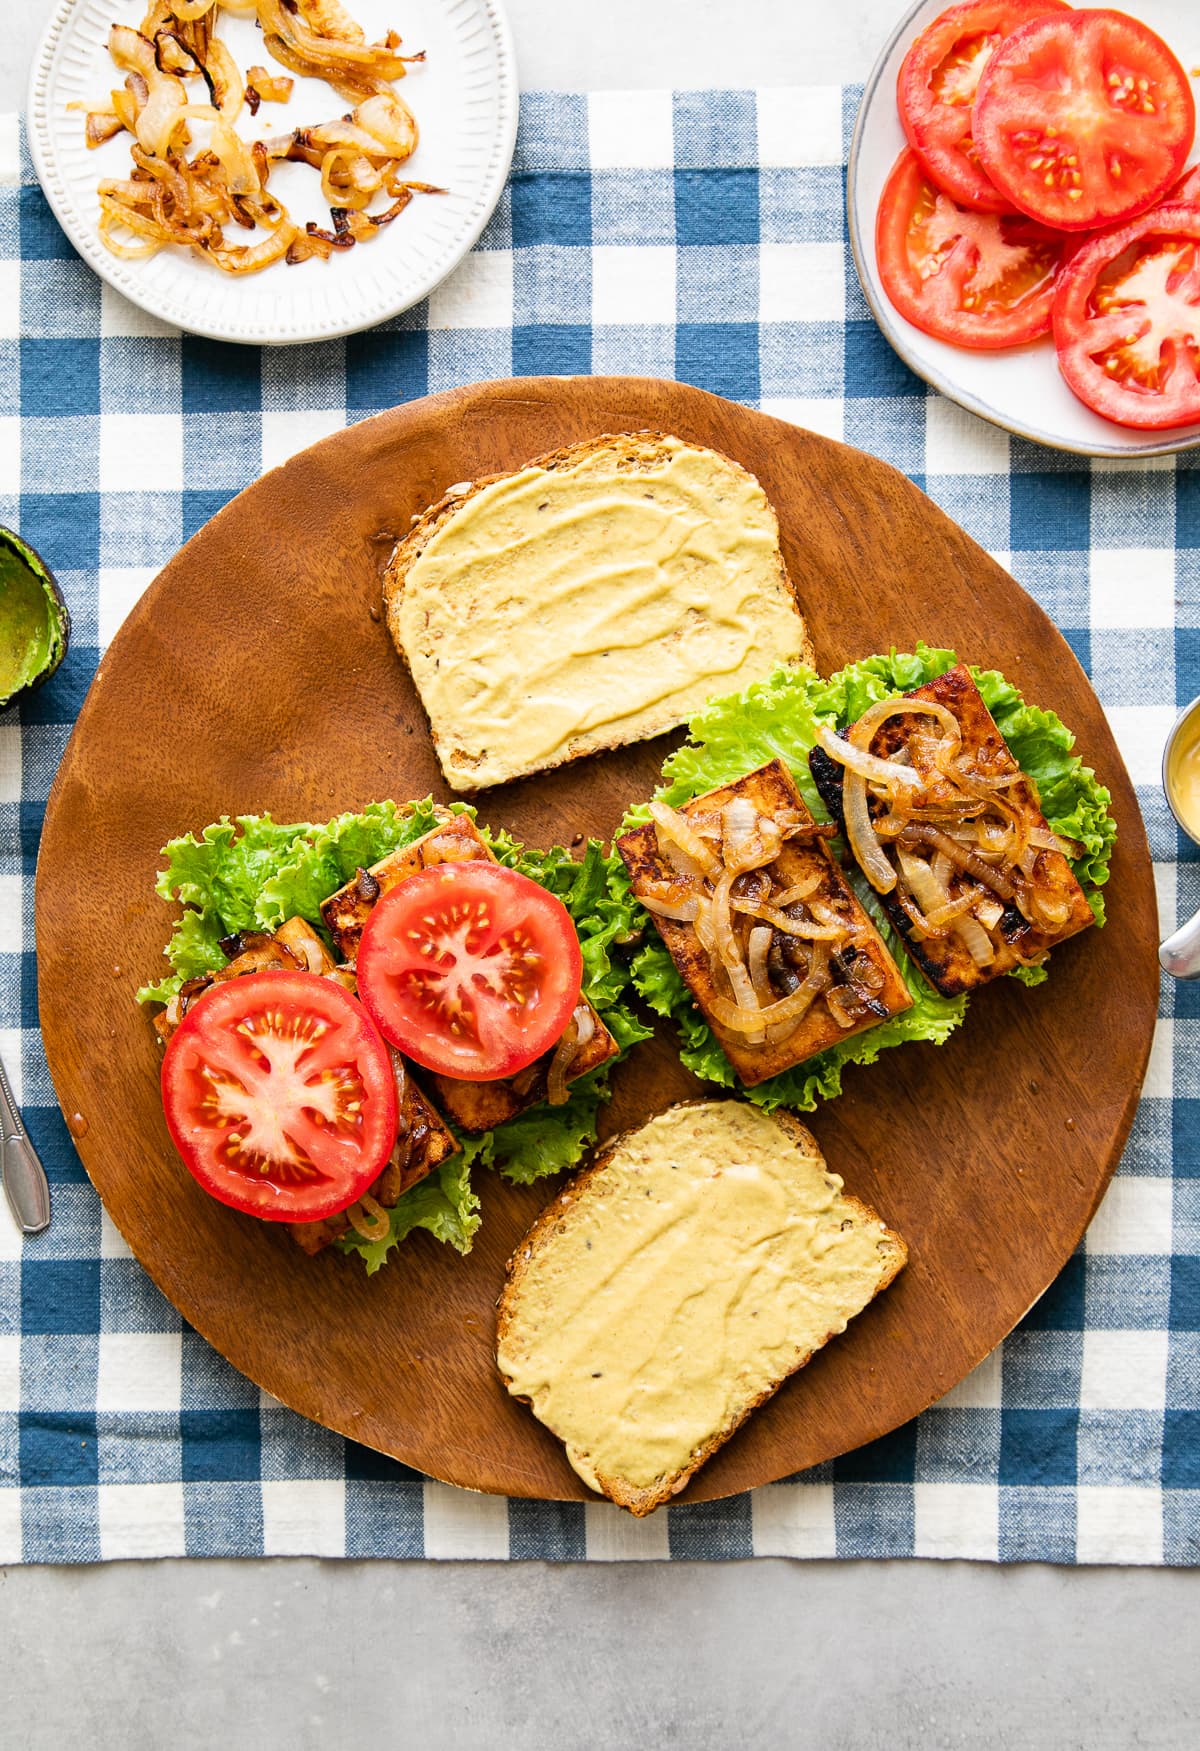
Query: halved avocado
[[34, 622]]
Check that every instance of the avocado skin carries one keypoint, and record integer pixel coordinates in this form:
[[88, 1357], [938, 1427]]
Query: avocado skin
[[59, 614]]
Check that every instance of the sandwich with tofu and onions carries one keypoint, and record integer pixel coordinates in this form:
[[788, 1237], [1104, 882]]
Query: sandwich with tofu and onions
[[950, 834], [491, 1013], [1031, 875], [761, 923]]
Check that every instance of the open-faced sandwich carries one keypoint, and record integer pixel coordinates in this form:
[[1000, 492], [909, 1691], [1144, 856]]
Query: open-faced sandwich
[[360, 1012], [1000, 827], [761, 923], [950, 834]]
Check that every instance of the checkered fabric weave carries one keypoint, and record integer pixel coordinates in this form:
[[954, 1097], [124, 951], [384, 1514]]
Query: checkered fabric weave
[[698, 236]]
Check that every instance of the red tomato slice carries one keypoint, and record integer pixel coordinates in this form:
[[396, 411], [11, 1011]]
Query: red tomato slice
[[1127, 320], [1083, 119], [937, 86], [980, 280], [279, 1095], [1188, 187], [471, 969]]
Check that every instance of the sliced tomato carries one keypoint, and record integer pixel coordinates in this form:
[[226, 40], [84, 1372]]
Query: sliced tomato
[[980, 280], [1127, 320], [1083, 119], [471, 969], [937, 85], [1188, 186], [279, 1095]]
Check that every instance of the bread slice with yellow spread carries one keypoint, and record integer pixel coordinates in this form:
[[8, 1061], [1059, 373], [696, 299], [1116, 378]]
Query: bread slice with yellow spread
[[674, 1286], [597, 596]]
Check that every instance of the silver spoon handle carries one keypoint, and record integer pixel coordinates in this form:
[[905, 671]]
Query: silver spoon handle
[[25, 1184], [1180, 954]]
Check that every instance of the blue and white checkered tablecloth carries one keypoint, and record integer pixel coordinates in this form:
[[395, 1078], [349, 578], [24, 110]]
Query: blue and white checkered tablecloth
[[698, 235]]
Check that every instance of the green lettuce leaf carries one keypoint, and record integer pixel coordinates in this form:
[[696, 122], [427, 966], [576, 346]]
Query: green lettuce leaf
[[443, 1203], [253, 873], [778, 717]]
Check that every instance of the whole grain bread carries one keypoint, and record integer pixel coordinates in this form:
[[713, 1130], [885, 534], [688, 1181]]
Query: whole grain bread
[[589, 1184], [633, 453]]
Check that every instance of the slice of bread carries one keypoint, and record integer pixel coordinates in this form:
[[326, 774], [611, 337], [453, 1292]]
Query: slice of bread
[[675, 1284], [597, 596]]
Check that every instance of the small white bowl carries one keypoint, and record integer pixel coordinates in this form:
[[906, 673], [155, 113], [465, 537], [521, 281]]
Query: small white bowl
[[464, 98]]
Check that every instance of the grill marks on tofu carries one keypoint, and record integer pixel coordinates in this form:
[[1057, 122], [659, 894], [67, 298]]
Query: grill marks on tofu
[[750, 863], [473, 1106], [971, 837]]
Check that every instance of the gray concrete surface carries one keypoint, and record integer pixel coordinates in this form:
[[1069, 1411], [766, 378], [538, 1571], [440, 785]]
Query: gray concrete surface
[[838, 1657], [850, 1657]]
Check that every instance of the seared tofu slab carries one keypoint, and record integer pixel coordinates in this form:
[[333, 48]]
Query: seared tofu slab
[[968, 839], [473, 1106], [481, 1106], [803, 944], [294, 948]]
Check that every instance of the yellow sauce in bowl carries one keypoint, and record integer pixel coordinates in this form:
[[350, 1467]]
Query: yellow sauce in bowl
[[1183, 773]]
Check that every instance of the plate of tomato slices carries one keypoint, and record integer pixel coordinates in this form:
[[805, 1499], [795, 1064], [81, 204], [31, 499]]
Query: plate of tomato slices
[[1024, 210]]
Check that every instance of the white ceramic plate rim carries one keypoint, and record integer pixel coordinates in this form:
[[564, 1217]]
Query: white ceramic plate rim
[[85, 237], [900, 334]]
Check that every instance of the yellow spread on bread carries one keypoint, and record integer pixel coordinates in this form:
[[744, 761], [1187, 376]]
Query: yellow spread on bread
[[563, 609], [702, 1264]]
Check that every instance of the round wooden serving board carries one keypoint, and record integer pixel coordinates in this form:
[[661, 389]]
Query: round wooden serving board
[[255, 675]]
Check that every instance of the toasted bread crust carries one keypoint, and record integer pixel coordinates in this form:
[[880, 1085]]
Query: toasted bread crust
[[644, 1501], [633, 452]]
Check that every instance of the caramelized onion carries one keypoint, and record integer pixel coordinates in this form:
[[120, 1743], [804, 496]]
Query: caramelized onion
[[985, 780], [579, 1031], [863, 733], [804, 928], [675, 831], [966, 902], [741, 1018], [1044, 840], [799, 890], [960, 856], [369, 1218], [928, 892], [556, 1076], [866, 765], [863, 843], [682, 911], [757, 948], [976, 940], [359, 156]]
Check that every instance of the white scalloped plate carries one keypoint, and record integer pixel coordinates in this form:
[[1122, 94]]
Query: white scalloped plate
[[1019, 389], [464, 97]]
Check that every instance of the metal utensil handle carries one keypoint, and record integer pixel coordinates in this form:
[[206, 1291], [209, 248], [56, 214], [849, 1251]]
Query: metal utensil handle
[[26, 1185], [1180, 954]]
